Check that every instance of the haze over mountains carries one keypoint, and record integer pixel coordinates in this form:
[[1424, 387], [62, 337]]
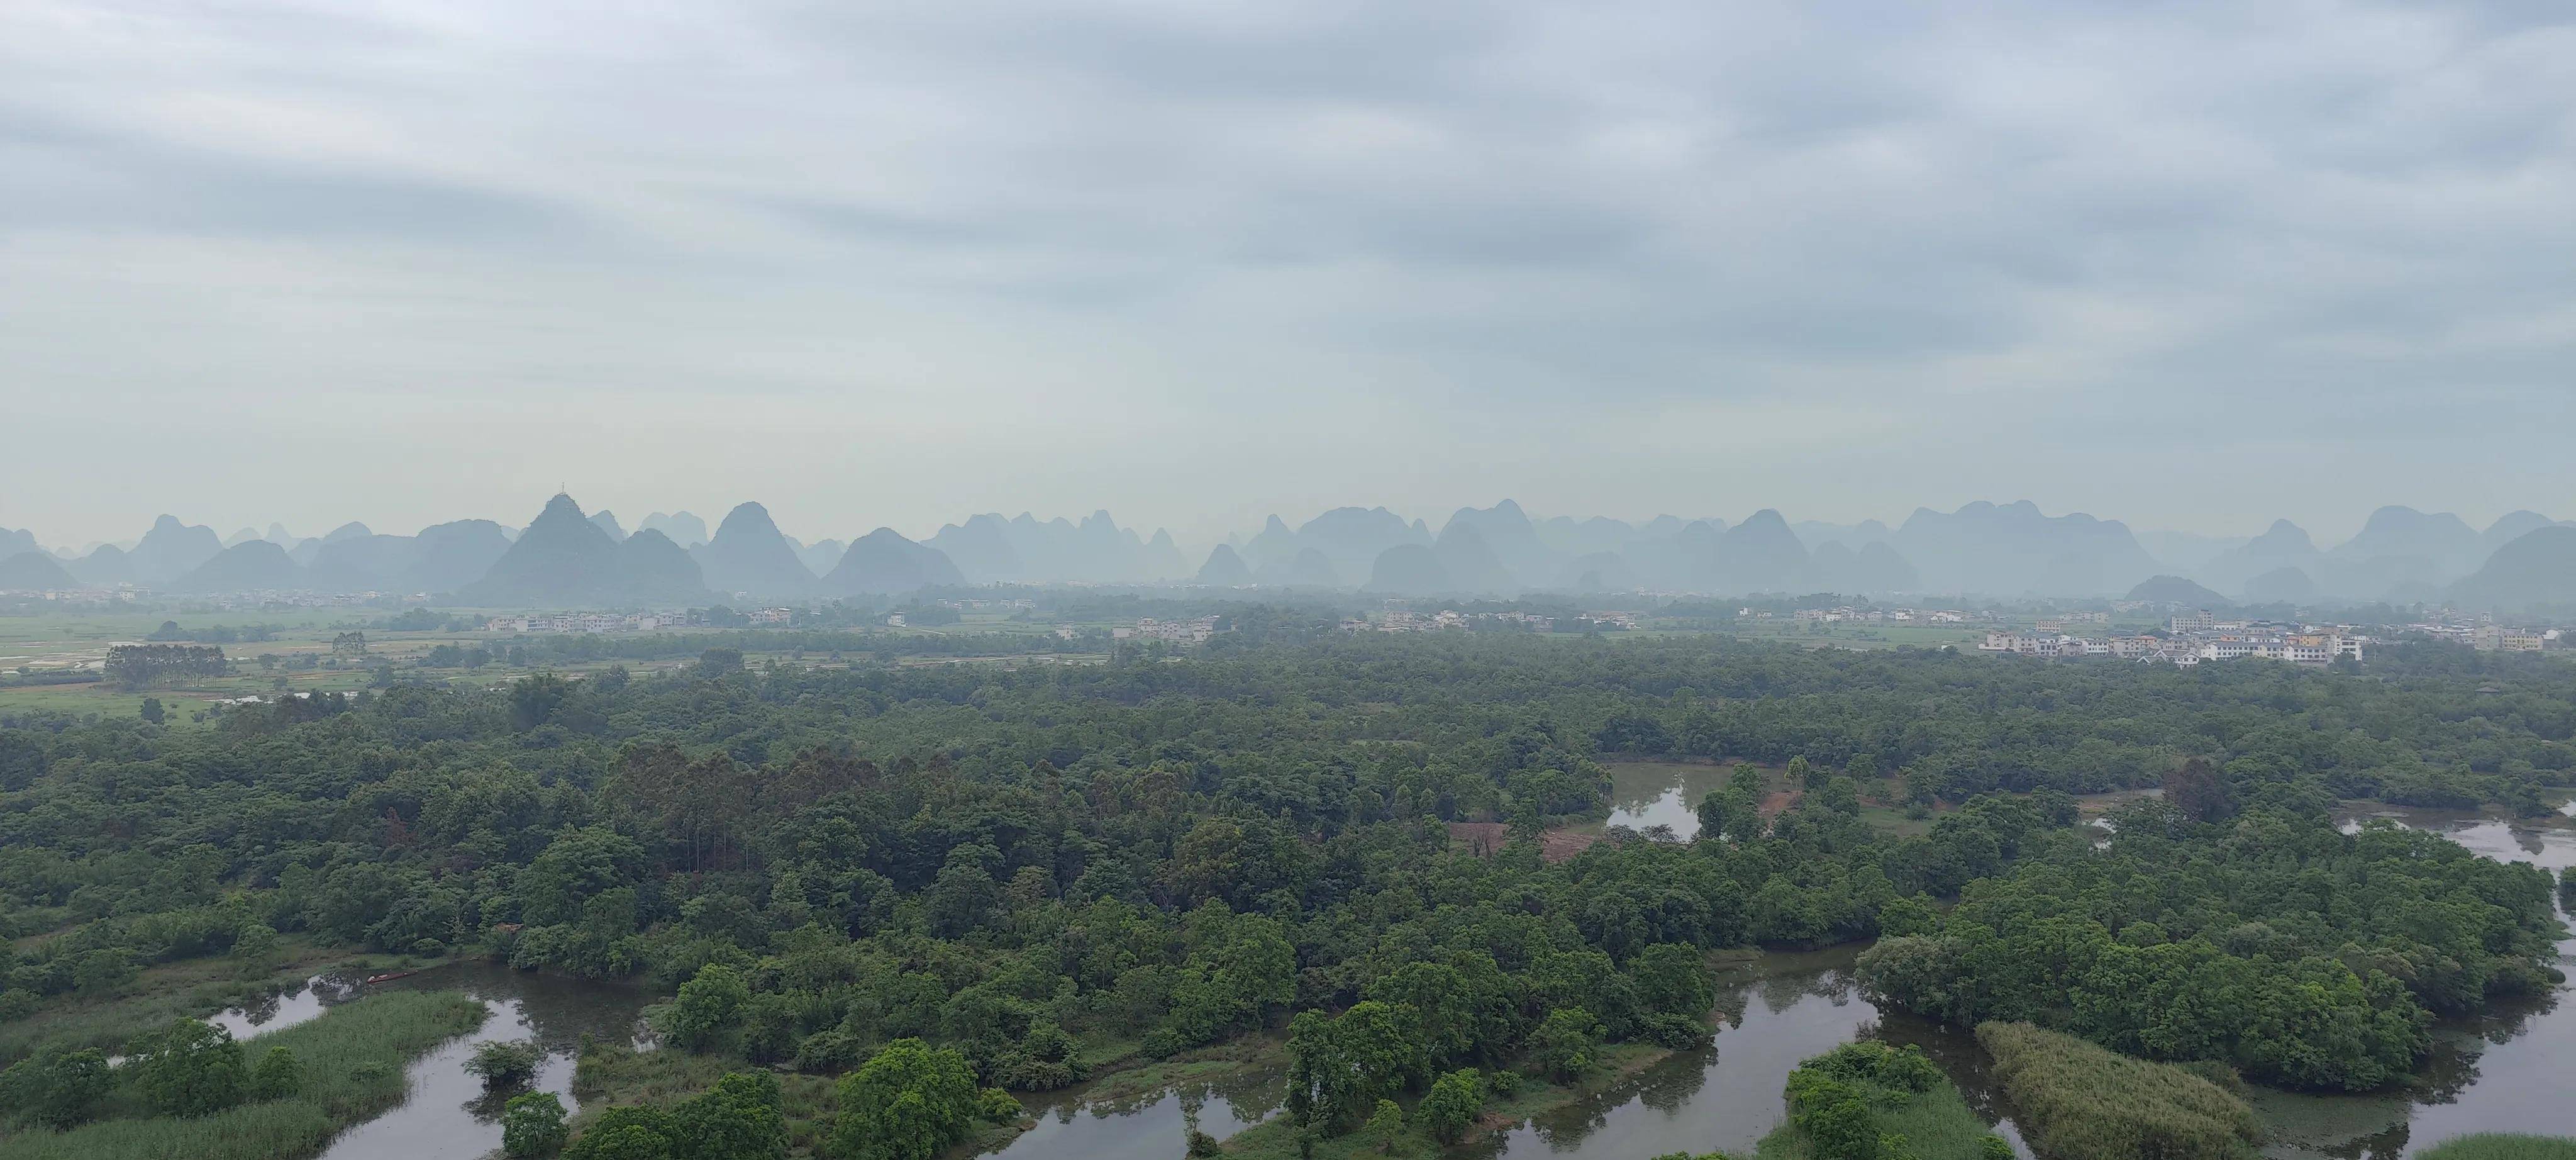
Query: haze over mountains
[[567, 557]]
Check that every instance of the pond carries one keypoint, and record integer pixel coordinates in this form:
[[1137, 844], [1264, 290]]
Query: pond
[[1644, 795], [1077, 1126], [448, 1116]]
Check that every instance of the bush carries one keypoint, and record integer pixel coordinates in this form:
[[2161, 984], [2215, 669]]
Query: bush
[[1451, 1107], [2076, 1101], [532, 1125], [191, 1069], [278, 1075], [505, 1064], [2502, 1146], [57, 1089]]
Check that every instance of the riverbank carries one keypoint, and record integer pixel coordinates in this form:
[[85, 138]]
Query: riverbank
[[353, 1060], [188, 989]]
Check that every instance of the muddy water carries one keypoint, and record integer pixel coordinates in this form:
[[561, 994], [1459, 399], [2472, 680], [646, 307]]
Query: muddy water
[[448, 1116]]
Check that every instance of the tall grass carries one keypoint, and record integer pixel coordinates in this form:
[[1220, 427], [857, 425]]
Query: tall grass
[[353, 1060], [1937, 1125], [2499, 1146], [2078, 1101]]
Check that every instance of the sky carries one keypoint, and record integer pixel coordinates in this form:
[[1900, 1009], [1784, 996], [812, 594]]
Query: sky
[[2190, 265]]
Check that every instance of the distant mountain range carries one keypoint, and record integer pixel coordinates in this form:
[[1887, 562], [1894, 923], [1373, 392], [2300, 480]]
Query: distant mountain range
[[567, 557]]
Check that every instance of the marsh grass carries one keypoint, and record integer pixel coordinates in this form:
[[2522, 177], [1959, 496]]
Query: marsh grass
[[2078, 1101], [2501, 1146], [353, 1059]]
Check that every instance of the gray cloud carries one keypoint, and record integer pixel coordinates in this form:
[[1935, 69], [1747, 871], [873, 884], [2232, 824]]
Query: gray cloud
[[1194, 261]]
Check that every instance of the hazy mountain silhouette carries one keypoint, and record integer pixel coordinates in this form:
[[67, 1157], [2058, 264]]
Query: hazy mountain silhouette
[[684, 529], [246, 567], [607, 521], [821, 556], [883, 562], [1310, 569], [171, 550], [1875, 568], [750, 555], [1760, 555], [563, 560], [1224, 568], [2176, 590], [2284, 585], [2013, 548], [1025, 549], [1599, 572], [2401, 545], [1411, 570], [650, 569], [1506, 532], [2513, 526], [32, 570], [982, 549], [106, 565], [2536, 569], [1469, 562], [1678, 556], [1570, 537], [2283, 545]]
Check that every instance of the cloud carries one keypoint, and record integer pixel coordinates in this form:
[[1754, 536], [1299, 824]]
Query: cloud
[[1284, 252]]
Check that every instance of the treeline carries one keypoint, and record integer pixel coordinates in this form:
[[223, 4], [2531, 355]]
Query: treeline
[[1052, 870]]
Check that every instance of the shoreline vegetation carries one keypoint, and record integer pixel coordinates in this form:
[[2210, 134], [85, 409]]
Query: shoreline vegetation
[[873, 888], [2076, 1101], [352, 1059]]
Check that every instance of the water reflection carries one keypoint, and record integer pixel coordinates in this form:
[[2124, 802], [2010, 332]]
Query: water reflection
[[2502, 1072], [288, 1007], [449, 1115], [1644, 795], [1776, 1011], [1079, 1125]]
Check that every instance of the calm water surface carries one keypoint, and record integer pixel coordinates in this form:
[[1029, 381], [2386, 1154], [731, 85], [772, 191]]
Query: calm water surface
[[2507, 1072], [448, 1116]]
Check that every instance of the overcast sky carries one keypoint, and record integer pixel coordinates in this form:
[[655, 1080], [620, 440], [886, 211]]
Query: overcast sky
[[2192, 265]]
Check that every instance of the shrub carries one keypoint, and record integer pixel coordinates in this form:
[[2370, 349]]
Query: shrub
[[504, 1064], [532, 1125], [191, 1069], [278, 1075], [1451, 1107], [2076, 1101]]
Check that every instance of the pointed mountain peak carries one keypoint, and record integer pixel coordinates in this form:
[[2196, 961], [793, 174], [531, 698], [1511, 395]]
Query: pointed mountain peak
[[1274, 524], [561, 505], [747, 518]]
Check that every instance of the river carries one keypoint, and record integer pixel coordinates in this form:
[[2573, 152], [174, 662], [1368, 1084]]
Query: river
[[448, 1115], [2506, 1072]]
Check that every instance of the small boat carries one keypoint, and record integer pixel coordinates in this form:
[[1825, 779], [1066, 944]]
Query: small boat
[[388, 977]]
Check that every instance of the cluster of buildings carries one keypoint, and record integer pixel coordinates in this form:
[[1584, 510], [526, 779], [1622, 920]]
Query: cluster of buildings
[[2202, 640], [1847, 614], [1192, 631], [1403, 620], [979, 605], [592, 622]]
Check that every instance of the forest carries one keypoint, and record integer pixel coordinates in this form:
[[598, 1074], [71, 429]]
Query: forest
[[906, 891]]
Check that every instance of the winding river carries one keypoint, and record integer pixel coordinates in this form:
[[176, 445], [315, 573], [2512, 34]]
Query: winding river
[[2506, 1072]]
